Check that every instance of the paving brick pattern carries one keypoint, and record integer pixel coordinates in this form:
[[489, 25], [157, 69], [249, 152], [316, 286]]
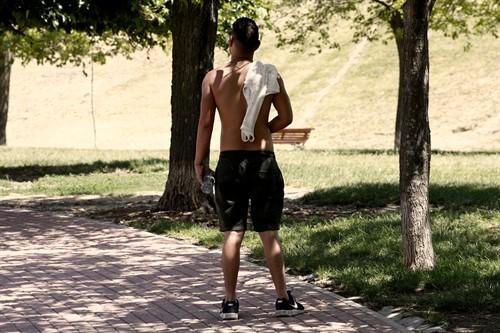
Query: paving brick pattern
[[62, 274]]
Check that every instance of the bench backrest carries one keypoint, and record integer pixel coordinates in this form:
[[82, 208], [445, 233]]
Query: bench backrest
[[292, 135]]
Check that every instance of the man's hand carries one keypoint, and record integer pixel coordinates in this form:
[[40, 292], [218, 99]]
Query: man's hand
[[200, 170]]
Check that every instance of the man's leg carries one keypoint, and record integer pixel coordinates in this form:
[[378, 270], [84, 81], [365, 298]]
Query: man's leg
[[274, 259], [231, 261]]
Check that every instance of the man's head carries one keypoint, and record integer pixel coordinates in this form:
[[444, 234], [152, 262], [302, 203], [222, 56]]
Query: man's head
[[245, 35]]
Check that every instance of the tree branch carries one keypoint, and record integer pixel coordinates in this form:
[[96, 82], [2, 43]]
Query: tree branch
[[380, 2], [12, 27], [431, 6]]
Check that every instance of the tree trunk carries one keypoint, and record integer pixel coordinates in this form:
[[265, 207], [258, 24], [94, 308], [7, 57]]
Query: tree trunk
[[397, 27], [415, 153], [5, 65], [194, 26]]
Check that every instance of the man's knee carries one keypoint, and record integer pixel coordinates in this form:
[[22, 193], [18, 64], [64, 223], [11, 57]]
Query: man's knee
[[268, 236], [234, 237]]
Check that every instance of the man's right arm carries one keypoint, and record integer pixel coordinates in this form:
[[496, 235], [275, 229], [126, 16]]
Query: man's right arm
[[205, 127], [281, 102]]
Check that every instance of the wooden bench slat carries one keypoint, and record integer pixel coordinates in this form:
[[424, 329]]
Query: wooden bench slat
[[295, 136], [291, 130]]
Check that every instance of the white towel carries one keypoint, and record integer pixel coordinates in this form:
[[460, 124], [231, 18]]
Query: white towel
[[261, 80]]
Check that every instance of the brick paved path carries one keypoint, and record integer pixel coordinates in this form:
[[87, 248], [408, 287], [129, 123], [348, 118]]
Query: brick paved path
[[60, 274]]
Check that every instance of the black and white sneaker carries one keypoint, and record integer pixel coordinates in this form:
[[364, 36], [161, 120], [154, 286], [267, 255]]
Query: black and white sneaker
[[229, 310], [288, 307]]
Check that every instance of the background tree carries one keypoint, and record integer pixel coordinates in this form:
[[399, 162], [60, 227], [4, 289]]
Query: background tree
[[409, 22], [194, 27], [312, 22], [5, 65], [415, 152]]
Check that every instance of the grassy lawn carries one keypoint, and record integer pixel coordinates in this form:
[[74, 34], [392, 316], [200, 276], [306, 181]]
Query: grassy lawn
[[71, 171], [359, 253]]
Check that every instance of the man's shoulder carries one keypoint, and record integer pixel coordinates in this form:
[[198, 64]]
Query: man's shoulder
[[212, 72], [209, 77]]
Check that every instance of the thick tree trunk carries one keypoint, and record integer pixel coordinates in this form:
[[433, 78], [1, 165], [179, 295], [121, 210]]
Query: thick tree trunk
[[397, 27], [194, 26], [5, 65], [415, 153]]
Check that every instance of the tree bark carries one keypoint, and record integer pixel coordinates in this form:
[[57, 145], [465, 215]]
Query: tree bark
[[194, 27], [5, 65], [415, 152], [397, 27]]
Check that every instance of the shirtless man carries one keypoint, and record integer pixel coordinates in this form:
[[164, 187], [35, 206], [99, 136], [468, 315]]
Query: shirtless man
[[246, 170]]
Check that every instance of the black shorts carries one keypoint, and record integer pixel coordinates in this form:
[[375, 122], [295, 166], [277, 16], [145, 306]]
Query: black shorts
[[242, 176]]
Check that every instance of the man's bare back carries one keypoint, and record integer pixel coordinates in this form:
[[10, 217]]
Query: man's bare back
[[227, 89], [226, 86]]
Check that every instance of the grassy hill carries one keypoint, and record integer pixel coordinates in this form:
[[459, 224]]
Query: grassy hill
[[348, 96]]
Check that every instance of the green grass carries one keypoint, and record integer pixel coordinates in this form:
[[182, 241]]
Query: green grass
[[359, 253], [349, 176], [70, 171]]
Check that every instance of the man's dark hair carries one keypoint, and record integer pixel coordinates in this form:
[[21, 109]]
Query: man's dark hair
[[246, 31]]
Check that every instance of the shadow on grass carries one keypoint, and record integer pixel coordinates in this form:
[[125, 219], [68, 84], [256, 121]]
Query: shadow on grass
[[33, 172], [393, 152], [383, 194], [361, 255]]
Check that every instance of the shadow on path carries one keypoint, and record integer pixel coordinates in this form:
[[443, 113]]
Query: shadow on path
[[70, 273]]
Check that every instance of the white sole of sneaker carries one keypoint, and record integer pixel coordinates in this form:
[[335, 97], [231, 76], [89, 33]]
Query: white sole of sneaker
[[287, 313], [229, 316]]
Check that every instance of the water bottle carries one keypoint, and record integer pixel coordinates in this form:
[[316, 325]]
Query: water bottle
[[207, 186]]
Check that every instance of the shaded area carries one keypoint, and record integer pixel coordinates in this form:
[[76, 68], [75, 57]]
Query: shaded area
[[110, 208], [363, 257], [33, 172], [393, 152], [68, 273], [449, 196], [480, 323], [140, 208]]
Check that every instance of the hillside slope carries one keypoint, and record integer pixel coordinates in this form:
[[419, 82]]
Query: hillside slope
[[348, 96]]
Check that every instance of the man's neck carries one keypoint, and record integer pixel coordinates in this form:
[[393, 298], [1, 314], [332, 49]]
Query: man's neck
[[240, 57]]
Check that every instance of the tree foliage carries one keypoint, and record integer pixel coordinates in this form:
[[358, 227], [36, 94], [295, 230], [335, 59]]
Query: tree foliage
[[60, 47], [231, 10], [139, 19], [61, 32], [313, 22]]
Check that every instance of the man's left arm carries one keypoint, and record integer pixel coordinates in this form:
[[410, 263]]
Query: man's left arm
[[205, 127], [281, 102]]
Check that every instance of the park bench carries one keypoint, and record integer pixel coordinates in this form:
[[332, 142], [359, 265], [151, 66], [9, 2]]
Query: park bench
[[292, 136]]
